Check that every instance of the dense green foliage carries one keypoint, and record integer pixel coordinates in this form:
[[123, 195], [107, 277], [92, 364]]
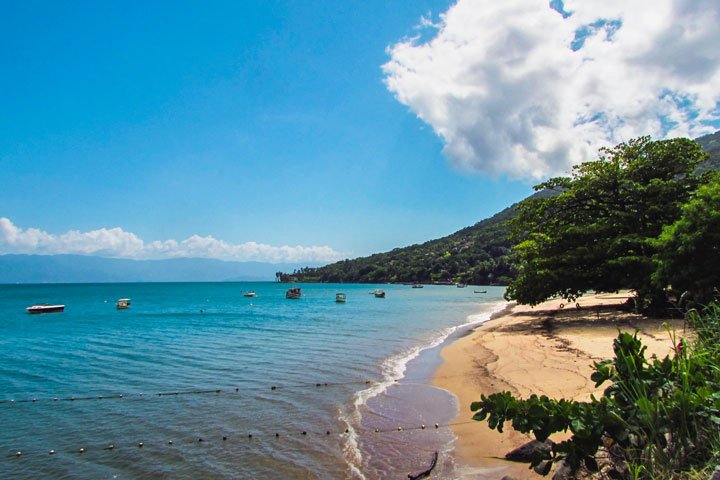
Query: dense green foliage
[[595, 234], [475, 255], [656, 418], [688, 258]]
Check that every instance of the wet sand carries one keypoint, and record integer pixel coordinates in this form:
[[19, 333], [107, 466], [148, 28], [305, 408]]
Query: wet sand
[[543, 350]]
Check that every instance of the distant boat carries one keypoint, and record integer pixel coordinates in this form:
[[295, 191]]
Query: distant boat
[[122, 304], [249, 294], [45, 308], [461, 285], [379, 293], [417, 285], [480, 291], [340, 298], [293, 293]]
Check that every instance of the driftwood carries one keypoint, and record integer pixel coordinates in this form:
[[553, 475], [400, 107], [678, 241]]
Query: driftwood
[[425, 473]]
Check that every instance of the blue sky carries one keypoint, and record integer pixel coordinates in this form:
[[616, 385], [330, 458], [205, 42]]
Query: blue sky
[[263, 123]]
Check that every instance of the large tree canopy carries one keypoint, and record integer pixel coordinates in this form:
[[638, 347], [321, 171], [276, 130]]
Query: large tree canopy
[[594, 233], [688, 258]]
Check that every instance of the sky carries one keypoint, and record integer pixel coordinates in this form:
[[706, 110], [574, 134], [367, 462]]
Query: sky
[[311, 131]]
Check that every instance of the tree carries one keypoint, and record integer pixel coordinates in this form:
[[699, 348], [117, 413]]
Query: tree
[[593, 233], [688, 251]]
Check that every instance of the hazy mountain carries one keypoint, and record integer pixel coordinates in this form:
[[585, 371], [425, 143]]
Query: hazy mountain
[[86, 269]]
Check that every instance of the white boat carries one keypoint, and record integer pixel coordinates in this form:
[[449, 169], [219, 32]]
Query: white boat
[[293, 293], [249, 294], [379, 293], [417, 285], [340, 297], [45, 308], [122, 304]]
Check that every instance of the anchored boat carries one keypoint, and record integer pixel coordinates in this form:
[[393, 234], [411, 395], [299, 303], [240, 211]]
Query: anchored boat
[[122, 304], [45, 308], [340, 297], [293, 293]]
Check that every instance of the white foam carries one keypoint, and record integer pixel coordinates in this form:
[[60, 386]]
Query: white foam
[[393, 370]]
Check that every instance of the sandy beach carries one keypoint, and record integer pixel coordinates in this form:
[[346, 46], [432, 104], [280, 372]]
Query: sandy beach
[[544, 350]]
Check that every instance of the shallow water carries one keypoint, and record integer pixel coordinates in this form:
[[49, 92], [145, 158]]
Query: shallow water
[[215, 356]]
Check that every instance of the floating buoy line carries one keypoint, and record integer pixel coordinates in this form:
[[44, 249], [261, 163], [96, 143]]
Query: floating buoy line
[[226, 440], [217, 391]]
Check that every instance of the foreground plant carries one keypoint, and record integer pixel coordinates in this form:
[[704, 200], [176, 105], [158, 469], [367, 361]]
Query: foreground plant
[[656, 418]]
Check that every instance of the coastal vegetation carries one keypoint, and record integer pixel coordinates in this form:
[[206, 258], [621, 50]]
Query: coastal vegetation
[[642, 217], [482, 253], [602, 230]]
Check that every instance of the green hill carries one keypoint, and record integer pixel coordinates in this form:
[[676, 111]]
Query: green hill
[[711, 144], [476, 255]]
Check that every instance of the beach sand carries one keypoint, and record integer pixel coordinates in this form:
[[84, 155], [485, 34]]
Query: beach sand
[[543, 350]]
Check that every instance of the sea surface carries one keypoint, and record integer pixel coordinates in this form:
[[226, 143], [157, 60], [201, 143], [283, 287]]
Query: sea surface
[[195, 380]]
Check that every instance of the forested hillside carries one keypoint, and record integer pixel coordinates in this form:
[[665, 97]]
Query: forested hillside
[[478, 255]]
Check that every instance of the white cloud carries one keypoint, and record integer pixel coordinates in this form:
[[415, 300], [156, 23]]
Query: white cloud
[[517, 88], [115, 242]]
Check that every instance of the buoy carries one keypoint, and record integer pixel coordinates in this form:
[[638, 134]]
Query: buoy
[[437, 426], [110, 447], [422, 426], [237, 390], [250, 435], [140, 445], [100, 397], [200, 439], [82, 450], [55, 399], [17, 454], [304, 433], [277, 435], [51, 452], [34, 400], [399, 429], [327, 433], [72, 399], [224, 439], [273, 387], [377, 430], [170, 442], [317, 384]]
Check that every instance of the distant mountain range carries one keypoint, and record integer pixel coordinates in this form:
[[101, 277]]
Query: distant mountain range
[[476, 255], [85, 269]]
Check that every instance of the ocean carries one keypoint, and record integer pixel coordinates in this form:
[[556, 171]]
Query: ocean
[[195, 380]]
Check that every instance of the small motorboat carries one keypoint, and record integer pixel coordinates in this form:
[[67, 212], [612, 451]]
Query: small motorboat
[[122, 304], [340, 297], [417, 285], [480, 291], [293, 293], [379, 293], [461, 285], [45, 308], [249, 294]]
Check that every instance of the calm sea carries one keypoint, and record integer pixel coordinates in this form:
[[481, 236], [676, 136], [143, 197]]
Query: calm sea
[[197, 381]]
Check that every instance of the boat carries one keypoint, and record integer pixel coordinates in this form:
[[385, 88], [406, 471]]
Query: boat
[[417, 285], [45, 308], [340, 297], [249, 294], [461, 285], [480, 291], [379, 293], [122, 304], [293, 293]]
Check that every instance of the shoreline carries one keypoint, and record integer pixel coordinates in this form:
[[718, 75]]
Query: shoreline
[[545, 350]]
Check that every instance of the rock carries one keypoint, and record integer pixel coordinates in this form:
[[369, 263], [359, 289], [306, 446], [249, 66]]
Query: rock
[[525, 452]]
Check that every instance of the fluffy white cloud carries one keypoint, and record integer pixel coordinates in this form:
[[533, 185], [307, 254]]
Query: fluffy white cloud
[[521, 89], [115, 242]]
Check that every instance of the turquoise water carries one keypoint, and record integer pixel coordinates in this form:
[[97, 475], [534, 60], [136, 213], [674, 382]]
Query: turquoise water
[[214, 357]]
